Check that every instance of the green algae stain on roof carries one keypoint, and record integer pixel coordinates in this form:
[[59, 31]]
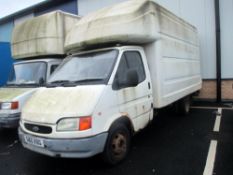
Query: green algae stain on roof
[[8, 94]]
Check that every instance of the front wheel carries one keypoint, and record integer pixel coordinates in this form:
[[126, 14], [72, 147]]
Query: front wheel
[[117, 145]]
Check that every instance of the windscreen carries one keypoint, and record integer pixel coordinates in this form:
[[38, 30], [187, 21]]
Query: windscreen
[[27, 73], [92, 67]]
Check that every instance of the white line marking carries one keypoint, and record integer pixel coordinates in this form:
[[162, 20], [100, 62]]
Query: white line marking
[[202, 107], [209, 167], [220, 111], [218, 120]]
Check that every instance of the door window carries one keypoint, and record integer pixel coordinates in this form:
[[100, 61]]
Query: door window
[[53, 68], [130, 60]]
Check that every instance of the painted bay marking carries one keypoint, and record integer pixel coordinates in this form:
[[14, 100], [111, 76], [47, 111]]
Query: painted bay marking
[[203, 107], [209, 167], [218, 120]]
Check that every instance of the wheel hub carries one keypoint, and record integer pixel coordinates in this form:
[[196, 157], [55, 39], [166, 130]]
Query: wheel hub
[[119, 145]]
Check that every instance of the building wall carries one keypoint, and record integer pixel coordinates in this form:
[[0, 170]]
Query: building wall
[[70, 7], [226, 14], [5, 62], [209, 86], [5, 31], [87, 6], [5, 53]]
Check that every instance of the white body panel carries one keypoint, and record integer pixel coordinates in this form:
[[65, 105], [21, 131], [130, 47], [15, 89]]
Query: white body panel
[[44, 34], [175, 70], [52, 104]]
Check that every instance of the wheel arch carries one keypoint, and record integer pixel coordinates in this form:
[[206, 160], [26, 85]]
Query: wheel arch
[[124, 119]]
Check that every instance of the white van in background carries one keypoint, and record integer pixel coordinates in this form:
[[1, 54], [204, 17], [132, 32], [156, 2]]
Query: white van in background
[[38, 46]]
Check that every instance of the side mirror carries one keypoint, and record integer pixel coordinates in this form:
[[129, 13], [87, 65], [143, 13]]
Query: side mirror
[[41, 81], [132, 78]]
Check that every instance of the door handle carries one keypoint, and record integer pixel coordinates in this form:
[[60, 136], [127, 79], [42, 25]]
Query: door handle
[[148, 85]]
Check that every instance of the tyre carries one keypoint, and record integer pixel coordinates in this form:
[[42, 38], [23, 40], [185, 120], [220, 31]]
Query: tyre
[[184, 106], [117, 145]]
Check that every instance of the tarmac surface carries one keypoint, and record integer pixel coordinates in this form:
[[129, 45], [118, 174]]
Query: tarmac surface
[[171, 145]]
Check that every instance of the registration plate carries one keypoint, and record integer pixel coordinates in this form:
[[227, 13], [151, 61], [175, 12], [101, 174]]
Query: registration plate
[[34, 141], [3, 115]]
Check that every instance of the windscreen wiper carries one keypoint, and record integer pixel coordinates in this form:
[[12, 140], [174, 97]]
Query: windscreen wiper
[[67, 83], [11, 85], [22, 85], [74, 83], [57, 83]]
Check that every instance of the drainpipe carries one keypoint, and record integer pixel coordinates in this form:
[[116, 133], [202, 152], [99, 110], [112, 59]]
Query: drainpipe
[[218, 51]]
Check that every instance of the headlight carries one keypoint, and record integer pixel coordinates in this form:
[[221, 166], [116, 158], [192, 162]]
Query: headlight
[[9, 105], [74, 124], [70, 124]]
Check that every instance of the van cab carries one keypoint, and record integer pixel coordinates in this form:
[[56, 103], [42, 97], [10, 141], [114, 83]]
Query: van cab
[[90, 102]]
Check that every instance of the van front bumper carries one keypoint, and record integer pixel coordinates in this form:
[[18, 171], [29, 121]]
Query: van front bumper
[[67, 148], [9, 120]]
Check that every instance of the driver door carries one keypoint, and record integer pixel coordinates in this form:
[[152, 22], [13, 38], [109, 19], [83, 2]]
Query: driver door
[[136, 101]]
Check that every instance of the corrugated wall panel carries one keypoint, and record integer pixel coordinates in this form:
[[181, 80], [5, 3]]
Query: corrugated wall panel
[[5, 62], [201, 14], [5, 53], [70, 7], [209, 38], [226, 14], [173, 5], [5, 32], [204, 20], [87, 6]]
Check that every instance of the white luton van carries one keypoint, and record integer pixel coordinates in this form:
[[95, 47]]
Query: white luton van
[[126, 61], [38, 48]]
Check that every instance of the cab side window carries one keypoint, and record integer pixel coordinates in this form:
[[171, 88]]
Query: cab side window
[[134, 61], [130, 60]]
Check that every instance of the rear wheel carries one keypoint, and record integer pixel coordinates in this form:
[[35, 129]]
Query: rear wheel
[[183, 105], [117, 145]]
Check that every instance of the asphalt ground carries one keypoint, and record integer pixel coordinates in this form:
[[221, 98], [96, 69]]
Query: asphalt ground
[[224, 156], [171, 145]]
